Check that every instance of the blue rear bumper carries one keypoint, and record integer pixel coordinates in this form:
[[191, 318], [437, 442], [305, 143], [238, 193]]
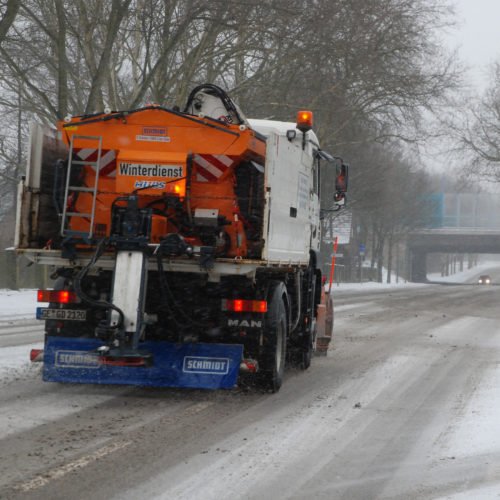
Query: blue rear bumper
[[199, 366]]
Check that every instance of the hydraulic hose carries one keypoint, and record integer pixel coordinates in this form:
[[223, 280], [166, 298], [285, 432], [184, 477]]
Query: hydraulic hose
[[77, 283]]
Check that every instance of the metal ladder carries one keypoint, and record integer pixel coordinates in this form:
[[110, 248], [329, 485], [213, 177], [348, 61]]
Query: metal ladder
[[91, 142]]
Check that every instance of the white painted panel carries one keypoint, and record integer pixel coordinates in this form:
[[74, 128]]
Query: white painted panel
[[289, 184], [127, 287]]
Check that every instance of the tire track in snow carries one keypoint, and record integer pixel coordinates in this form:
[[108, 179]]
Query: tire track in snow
[[281, 447], [420, 463]]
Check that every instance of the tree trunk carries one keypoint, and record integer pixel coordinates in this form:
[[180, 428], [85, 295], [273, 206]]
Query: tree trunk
[[118, 10], [373, 256], [8, 18], [389, 257], [62, 63], [380, 257]]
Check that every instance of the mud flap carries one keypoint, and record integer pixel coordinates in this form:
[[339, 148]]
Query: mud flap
[[198, 366], [324, 324]]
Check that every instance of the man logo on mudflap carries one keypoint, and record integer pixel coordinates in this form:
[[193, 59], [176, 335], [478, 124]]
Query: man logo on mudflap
[[214, 366], [76, 359]]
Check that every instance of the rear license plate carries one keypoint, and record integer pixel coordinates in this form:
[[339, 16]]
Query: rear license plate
[[61, 314]]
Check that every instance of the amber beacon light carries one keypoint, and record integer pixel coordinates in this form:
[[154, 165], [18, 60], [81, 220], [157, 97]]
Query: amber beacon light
[[304, 121]]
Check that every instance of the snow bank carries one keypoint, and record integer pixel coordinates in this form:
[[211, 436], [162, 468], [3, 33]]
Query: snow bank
[[466, 275], [460, 277], [16, 365], [17, 303]]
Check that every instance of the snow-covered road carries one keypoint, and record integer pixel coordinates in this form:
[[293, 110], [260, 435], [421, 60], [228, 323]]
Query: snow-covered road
[[405, 405]]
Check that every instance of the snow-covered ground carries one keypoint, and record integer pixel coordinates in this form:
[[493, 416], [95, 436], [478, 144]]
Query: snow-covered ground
[[465, 275], [460, 277], [17, 304], [378, 379], [15, 307]]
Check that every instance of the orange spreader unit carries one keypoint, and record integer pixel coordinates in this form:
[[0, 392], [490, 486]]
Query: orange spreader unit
[[159, 153]]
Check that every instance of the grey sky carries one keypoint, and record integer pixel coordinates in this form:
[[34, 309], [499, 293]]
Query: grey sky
[[478, 36]]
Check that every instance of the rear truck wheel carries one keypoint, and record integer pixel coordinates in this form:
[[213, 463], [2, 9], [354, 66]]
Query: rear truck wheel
[[309, 339], [307, 350], [275, 338], [305, 345]]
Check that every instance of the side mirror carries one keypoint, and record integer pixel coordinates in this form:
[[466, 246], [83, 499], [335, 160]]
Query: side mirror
[[342, 177], [341, 181]]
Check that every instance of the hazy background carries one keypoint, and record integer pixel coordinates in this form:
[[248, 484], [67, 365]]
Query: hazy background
[[477, 37]]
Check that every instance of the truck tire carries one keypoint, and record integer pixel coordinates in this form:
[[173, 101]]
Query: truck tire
[[275, 338], [307, 351], [307, 345]]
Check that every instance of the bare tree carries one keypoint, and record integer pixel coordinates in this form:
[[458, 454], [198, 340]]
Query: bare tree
[[8, 10], [367, 68], [388, 195], [345, 59], [478, 130], [379, 62]]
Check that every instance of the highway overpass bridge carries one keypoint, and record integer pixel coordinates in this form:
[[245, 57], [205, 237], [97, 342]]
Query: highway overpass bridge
[[448, 240], [461, 223]]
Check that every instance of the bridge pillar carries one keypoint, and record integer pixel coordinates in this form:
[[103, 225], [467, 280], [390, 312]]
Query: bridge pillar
[[418, 266]]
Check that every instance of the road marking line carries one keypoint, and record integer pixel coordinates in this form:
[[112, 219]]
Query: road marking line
[[57, 473], [196, 408]]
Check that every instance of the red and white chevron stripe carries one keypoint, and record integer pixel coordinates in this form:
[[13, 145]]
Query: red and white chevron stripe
[[210, 167], [107, 164]]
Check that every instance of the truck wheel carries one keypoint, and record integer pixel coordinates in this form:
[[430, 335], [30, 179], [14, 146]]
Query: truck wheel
[[274, 356], [308, 346], [306, 352], [305, 362]]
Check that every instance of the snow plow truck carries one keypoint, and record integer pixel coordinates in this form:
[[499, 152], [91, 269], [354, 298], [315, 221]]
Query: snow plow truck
[[184, 243]]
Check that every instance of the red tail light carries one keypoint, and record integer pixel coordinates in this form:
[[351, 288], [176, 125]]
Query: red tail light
[[58, 296], [115, 361], [240, 305]]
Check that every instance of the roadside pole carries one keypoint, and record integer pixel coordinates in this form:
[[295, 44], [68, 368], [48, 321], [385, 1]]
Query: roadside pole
[[332, 268]]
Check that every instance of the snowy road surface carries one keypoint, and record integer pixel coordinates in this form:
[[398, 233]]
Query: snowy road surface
[[405, 406]]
